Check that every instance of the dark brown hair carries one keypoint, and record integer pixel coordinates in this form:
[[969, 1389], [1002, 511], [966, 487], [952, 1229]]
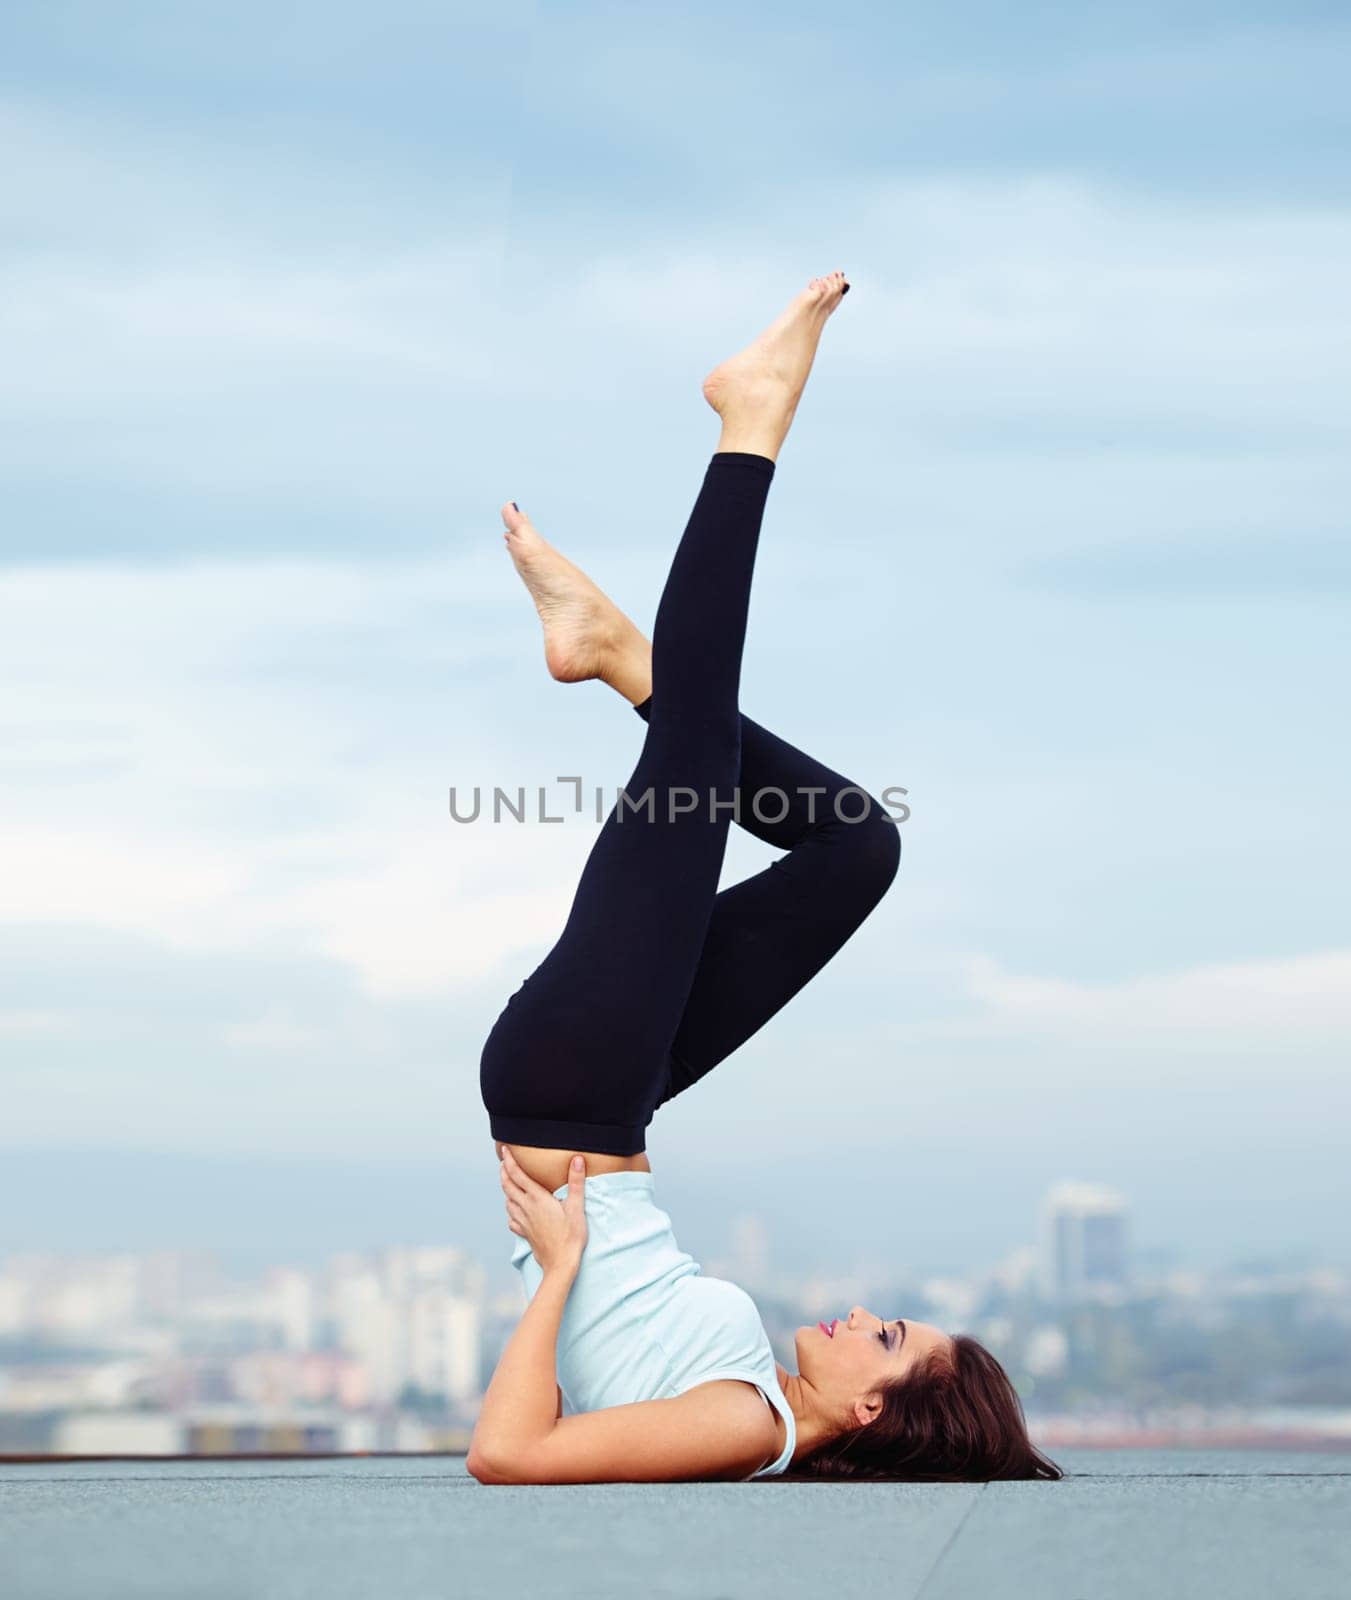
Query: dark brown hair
[[956, 1418]]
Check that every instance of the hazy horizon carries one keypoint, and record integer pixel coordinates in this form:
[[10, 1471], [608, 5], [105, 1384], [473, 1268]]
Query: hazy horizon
[[260, 1210]]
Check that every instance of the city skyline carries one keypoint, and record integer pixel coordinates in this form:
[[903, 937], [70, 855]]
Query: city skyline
[[169, 1352]]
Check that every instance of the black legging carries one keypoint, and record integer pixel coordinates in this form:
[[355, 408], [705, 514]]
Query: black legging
[[657, 977]]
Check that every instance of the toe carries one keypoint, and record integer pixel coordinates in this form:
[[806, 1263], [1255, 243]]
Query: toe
[[513, 517]]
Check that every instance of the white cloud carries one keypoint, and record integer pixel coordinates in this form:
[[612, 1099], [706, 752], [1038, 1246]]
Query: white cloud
[[276, 1030], [1045, 292], [161, 738], [1020, 301], [35, 1024], [1292, 999]]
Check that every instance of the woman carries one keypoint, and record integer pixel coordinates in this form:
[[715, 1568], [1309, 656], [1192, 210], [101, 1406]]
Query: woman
[[666, 1373]]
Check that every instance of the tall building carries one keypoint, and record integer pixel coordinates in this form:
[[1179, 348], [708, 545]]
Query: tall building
[[443, 1344], [1085, 1240]]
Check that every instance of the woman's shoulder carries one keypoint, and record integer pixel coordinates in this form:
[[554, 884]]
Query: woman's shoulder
[[764, 1427], [744, 1410]]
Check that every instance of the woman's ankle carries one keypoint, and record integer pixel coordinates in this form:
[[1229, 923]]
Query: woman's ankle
[[628, 670], [752, 440]]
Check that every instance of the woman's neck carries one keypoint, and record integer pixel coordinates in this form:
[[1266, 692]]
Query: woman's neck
[[812, 1429]]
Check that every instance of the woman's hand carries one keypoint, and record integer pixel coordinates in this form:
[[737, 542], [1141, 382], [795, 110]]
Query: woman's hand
[[556, 1229]]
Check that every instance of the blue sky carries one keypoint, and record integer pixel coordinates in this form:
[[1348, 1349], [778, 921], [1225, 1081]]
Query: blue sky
[[291, 304]]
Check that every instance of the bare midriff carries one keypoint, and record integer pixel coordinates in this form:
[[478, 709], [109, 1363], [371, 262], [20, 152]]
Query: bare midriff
[[550, 1167]]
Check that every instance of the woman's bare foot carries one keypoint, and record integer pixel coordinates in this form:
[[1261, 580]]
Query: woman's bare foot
[[586, 635], [757, 391]]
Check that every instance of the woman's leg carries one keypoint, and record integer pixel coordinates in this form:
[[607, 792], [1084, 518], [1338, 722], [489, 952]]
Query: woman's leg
[[770, 934], [578, 1058]]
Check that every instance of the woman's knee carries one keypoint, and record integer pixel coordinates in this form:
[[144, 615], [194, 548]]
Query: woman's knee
[[874, 850]]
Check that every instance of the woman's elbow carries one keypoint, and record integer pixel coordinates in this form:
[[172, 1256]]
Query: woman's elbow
[[479, 1462], [480, 1466], [501, 1472]]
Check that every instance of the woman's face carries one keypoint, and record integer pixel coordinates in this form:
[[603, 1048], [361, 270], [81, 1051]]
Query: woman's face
[[845, 1358]]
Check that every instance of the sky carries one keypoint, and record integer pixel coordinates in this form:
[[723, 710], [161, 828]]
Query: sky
[[291, 303]]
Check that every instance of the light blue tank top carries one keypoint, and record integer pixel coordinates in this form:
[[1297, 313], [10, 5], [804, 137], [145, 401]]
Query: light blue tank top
[[642, 1322]]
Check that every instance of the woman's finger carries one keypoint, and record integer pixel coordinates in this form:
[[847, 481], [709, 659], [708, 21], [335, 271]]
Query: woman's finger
[[514, 1167], [512, 1178], [523, 1180]]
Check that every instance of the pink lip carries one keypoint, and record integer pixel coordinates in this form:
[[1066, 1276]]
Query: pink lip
[[828, 1331]]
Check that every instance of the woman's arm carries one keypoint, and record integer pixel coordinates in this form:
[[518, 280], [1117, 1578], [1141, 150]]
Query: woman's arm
[[524, 1401], [521, 1407], [719, 1430]]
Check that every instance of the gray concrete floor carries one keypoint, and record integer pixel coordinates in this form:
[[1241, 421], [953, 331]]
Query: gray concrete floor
[[1153, 1525]]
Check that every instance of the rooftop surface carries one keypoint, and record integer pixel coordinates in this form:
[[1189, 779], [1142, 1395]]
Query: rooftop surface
[[1138, 1524]]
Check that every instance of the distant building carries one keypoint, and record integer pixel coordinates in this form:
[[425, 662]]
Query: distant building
[[443, 1332], [119, 1433], [1084, 1228]]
